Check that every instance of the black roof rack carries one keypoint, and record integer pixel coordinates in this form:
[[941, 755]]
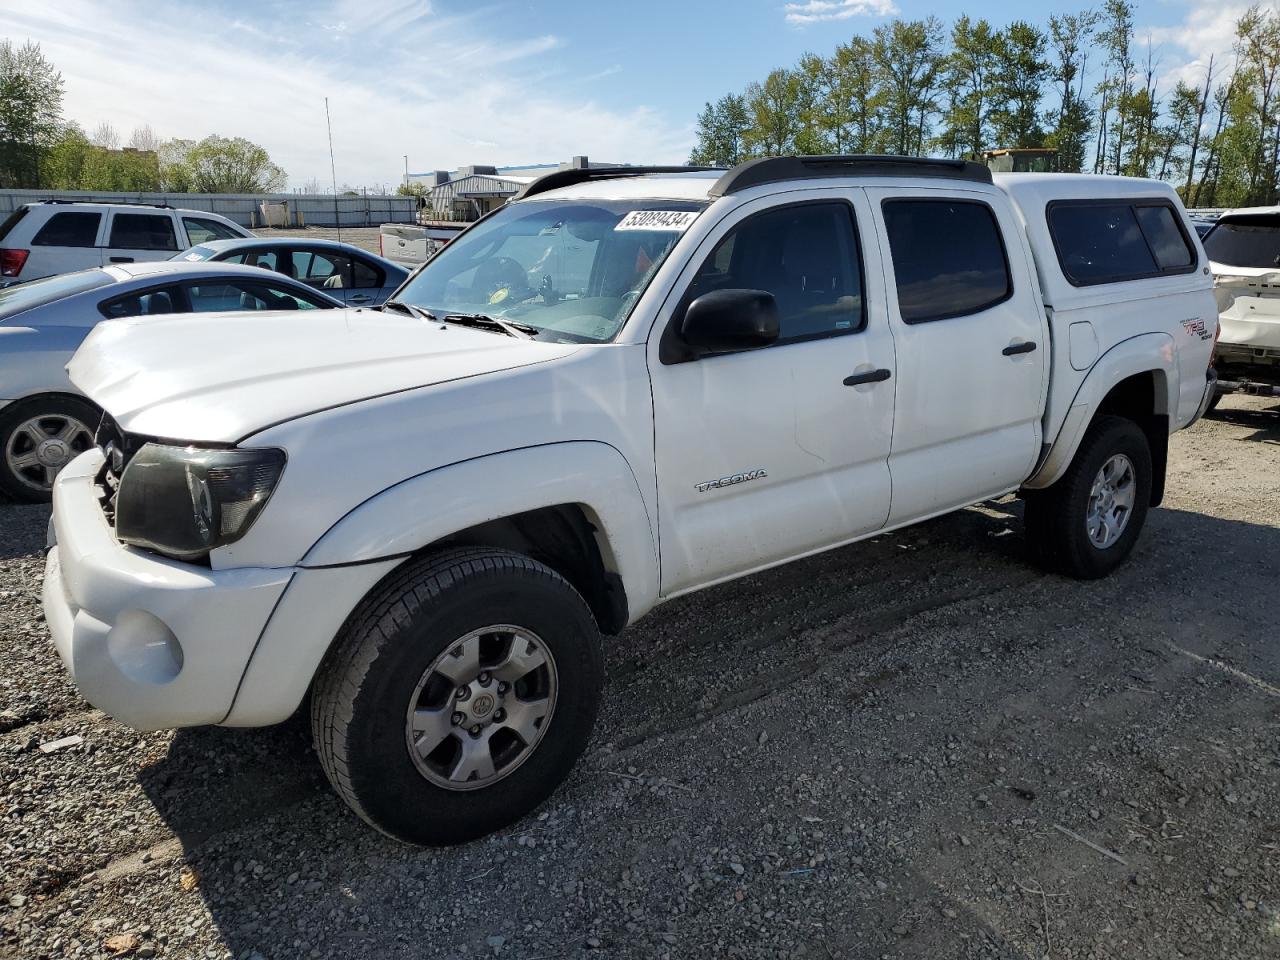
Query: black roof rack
[[776, 169], [112, 203], [570, 177]]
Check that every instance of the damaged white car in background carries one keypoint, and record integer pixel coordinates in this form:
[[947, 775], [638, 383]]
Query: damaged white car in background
[[1244, 254]]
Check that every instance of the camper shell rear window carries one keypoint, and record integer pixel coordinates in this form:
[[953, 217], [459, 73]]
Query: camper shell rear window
[[1111, 241]]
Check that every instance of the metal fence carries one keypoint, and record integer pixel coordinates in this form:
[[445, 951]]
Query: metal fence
[[321, 210]]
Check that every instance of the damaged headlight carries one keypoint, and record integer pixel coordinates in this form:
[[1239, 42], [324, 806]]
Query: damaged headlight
[[185, 501]]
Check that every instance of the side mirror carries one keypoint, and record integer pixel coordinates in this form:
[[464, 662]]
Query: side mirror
[[727, 320]]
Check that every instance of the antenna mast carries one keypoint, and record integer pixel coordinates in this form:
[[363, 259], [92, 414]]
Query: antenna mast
[[337, 218]]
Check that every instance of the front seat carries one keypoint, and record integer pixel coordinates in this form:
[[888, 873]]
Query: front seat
[[334, 282]]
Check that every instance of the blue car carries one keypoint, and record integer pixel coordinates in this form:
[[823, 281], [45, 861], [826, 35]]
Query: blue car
[[354, 276]]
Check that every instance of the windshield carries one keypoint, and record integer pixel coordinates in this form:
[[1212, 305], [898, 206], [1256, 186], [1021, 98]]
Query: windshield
[[570, 270], [1245, 241], [36, 293], [194, 253]]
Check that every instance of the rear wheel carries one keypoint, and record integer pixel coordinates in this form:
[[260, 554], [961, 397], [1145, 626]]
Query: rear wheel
[[39, 437], [458, 696], [1087, 523]]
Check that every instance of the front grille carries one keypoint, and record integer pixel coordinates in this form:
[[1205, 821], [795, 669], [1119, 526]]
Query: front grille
[[118, 449]]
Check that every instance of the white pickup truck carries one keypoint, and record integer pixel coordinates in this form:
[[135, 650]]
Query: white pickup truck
[[626, 385]]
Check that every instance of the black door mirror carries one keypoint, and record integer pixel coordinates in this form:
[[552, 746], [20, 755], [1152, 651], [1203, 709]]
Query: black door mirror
[[727, 320]]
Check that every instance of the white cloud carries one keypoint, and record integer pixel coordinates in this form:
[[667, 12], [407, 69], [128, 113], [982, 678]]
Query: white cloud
[[815, 11], [1208, 29], [400, 78]]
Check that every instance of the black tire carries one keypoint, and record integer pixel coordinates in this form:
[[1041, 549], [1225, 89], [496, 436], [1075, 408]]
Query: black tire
[[20, 486], [364, 687], [1213, 402], [1055, 519]]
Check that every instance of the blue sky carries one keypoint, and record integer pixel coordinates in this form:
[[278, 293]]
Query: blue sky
[[450, 82]]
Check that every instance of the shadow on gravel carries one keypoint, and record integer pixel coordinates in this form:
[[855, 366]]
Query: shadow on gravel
[[1264, 423], [280, 859]]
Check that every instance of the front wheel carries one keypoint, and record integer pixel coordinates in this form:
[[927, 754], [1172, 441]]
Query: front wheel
[[459, 695], [1087, 523]]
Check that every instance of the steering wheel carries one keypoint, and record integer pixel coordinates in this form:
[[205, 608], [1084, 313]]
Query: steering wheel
[[499, 280]]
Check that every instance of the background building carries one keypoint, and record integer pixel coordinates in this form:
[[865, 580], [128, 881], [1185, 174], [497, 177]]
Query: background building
[[468, 193]]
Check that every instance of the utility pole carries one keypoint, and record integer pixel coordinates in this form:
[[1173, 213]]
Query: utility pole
[[406, 171]]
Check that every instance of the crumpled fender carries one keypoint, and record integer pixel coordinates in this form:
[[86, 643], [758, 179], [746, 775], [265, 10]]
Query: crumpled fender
[[1142, 354]]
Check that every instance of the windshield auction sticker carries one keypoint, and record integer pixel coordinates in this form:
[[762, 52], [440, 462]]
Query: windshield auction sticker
[[676, 220]]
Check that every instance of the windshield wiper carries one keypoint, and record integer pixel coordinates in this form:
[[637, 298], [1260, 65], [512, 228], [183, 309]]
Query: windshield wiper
[[509, 327], [410, 308]]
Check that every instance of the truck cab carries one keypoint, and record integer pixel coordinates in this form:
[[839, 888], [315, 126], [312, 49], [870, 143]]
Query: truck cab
[[627, 385]]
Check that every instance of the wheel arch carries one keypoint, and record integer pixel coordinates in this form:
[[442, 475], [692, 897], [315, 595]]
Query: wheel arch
[[572, 505], [1136, 379]]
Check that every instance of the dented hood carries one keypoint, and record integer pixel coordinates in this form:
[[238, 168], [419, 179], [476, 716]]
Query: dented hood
[[220, 377]]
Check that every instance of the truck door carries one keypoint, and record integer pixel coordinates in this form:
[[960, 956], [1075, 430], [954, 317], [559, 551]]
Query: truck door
[[972, 347], [774, 452]]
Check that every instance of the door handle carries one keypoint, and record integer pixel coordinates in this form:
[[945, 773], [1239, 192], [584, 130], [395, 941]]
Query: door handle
[[122, 259], [870, 376], [359, 298], [1014, 349]]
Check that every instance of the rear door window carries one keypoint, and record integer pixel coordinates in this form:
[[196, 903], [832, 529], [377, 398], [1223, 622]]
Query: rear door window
[[365, 275], [142, 231], [166, 299], [69, 229], [322, 270], [948, 258], [202, 230], [1109, 241]]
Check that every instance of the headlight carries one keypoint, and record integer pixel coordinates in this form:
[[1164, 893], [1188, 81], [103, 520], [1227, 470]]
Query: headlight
[[185, 501]]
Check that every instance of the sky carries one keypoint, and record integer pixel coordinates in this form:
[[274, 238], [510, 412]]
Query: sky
[[447, 83]]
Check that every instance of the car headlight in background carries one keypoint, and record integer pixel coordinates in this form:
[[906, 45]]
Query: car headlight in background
[[185, 501]]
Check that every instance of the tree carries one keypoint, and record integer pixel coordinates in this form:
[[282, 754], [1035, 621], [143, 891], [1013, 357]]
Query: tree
[[908, 58], [1021, 72], [1069, 38], [722, 131], [969, 77], [773, 108], [853, 116], [104, 135], [1116, 89], [225, 165], [30, 112], [144, 138]]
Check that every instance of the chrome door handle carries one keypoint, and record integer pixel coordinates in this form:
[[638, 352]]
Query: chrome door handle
[[870, 376], [1014, 349]]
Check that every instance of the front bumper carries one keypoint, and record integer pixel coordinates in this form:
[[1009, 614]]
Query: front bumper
[[153, 642]]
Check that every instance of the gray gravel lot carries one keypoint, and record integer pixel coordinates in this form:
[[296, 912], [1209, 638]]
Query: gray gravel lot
[[878, 752]]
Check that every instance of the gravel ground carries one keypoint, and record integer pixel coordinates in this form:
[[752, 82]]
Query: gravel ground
[[918, 746]]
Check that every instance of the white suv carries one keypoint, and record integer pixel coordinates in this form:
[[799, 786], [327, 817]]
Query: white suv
[[623, 386], [57, 236]]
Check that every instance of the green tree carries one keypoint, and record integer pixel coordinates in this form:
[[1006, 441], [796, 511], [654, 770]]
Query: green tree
[[1070, 36], [722, 130], [30, 113], [1020, 76], [908, 57], [223, 165], [773, 109], [854, 99], [1116, 89], [969, 79]]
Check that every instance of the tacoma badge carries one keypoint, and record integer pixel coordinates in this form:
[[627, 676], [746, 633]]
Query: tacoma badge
[[706, 485]]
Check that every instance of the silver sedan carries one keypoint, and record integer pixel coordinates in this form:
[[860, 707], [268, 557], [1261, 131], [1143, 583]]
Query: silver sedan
[[44, 420]]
